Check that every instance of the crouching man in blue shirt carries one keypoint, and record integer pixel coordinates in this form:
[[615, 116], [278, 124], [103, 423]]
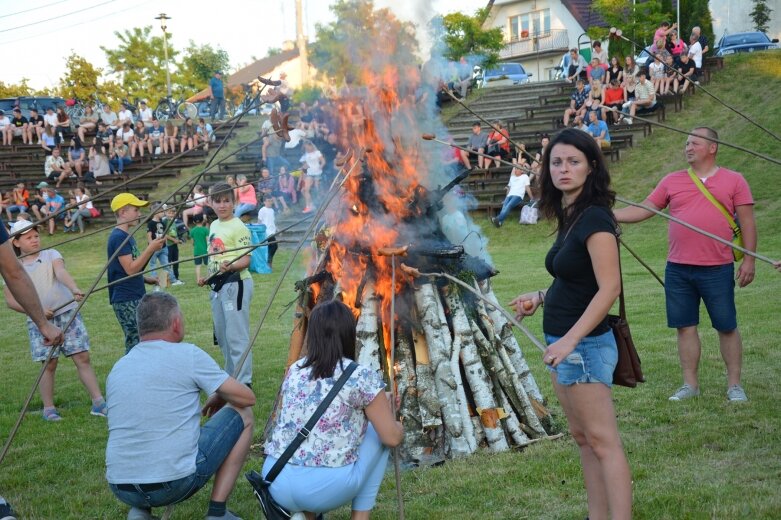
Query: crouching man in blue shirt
[[158, 453]]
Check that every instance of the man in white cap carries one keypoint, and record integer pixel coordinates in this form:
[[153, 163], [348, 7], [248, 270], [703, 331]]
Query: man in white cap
[[125, 295]]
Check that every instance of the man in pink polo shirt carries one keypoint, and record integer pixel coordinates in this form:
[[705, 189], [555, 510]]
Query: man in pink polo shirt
[[698, 267]]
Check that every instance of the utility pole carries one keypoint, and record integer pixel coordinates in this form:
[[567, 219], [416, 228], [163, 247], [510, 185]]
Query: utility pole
[[301, 43], [162, 17]]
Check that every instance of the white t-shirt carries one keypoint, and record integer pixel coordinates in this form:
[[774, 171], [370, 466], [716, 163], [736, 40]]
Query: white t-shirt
[[50, 119], [86, 205], [296, 135], [145, 115], [695, 52], [518, 185], [126, 136], [125, 115], [153, 395], [4, 121], [312, 160], [267, 218], [50, 289]]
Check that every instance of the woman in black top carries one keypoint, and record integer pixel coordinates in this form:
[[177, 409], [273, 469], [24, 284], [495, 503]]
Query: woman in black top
[[581, 352]]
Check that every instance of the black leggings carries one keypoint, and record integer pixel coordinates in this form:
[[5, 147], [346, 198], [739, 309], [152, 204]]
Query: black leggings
[[173, 256], [272, 248]]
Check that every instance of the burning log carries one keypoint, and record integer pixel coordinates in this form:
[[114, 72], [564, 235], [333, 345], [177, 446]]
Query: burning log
[[416, 443]]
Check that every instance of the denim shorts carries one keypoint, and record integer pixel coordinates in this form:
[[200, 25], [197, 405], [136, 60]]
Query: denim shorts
[[686, 285], [218, 437], [593, 360]]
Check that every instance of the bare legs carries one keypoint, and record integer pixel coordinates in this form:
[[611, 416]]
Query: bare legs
[[592, 422], [86, 375], [690, 348]]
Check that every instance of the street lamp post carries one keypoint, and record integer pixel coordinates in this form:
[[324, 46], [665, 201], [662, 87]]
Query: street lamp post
[[163, 19]]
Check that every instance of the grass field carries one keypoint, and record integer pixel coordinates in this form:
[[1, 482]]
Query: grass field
[[699, 459]]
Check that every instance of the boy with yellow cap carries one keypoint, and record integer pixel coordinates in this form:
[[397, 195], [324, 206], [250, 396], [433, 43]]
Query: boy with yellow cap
[[125, 295]]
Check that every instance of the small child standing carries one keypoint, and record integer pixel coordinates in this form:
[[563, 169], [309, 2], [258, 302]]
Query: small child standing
[[267, 218], [200, 234], [155, 229], [230, 281], [58, 293], [172, 241]]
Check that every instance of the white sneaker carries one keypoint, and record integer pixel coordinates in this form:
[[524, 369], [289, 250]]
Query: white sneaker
[[628, 120], [736, 394], [178, 282], [685, 392]]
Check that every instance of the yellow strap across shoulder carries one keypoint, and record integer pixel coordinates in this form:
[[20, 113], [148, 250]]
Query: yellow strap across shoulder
[[712, 199]]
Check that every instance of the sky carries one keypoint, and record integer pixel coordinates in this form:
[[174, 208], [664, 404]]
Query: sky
[[36, 36]]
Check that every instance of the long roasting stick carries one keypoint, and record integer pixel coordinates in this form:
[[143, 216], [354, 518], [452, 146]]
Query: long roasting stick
[[698, 230], [396, 462], [685, 132], [416, 273], [432, 137], [141, 223]]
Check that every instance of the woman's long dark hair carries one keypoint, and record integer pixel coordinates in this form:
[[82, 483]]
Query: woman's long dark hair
[[596, 190], [330, 337]]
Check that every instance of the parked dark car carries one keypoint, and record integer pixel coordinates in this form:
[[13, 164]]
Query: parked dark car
[[25, 103], [745, 42], [504, 74]]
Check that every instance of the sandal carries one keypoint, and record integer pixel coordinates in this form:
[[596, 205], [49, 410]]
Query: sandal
[[51, 415]]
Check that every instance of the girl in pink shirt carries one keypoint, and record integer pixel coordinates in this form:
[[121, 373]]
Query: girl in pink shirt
[[247, 199]]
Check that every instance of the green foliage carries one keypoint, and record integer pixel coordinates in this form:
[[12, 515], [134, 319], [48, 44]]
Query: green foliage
[[307, 94], [696, 13], [139, 61], [199, 64], [273, 51], [638, 22], [464, 36], [16, 89], [760, 15], [81, 79], [358, 36]]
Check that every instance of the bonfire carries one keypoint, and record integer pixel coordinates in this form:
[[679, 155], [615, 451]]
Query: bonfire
[[453, 360]]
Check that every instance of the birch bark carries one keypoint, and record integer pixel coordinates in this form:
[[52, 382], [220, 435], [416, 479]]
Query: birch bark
[[444, 381], [367, 342], [479, 380]]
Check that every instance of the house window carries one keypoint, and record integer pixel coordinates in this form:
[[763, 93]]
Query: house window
[[529, 24]]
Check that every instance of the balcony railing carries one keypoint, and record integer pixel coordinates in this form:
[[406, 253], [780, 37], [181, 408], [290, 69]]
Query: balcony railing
[[555, 40]]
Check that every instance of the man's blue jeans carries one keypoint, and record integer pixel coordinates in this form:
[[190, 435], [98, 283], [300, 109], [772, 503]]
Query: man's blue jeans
[[509, 204], [218, 105], [218, 437]]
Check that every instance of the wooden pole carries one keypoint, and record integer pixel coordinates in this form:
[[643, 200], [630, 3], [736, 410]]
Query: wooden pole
[[396, 463]]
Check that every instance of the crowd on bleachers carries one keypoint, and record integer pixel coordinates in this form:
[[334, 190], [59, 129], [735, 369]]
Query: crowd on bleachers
[[605, 93]]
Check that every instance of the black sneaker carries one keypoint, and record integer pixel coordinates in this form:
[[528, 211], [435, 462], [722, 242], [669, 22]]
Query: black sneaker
[[6, 512], [496, 222]]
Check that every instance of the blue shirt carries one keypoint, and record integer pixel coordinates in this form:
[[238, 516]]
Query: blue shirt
[[57, 199], [3, 233], [596, 129], [128, 290], [216, 86]]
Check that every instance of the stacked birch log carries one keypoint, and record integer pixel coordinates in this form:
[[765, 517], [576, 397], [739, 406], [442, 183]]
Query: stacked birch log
[[459, 371]]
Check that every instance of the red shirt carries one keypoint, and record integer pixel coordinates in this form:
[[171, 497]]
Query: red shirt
[[496, 136], [613, 95], [686, 202]]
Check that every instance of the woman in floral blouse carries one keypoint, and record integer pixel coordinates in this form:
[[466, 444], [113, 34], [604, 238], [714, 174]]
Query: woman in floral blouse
[[344, 458]]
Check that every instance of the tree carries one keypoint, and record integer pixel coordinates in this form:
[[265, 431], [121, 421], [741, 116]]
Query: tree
[[80, 79], [637, 20], [140, 64], [16, 89], [465, 36], [199, 64], [696, 13], [761, 15], [272, 51], [358, 35]]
